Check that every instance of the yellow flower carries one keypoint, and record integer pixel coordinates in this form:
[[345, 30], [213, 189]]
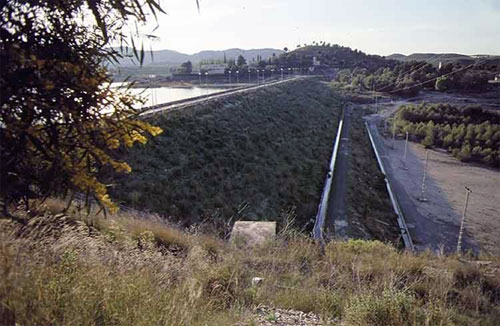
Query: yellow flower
[[155, 131], [113, 143]]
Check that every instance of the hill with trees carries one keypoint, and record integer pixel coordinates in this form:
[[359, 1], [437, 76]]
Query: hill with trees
[[333, 56], [409, 78]]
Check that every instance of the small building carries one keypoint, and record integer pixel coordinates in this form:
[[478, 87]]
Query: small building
[[495, 80]]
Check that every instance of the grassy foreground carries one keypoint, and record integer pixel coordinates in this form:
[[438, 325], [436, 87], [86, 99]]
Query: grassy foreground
[[61, 269], [250, 156]]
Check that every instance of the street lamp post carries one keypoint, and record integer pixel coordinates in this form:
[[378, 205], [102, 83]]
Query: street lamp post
[[289, 71], [422, 192], [272, 70], [229, 72], [206, 78], [200, 77], [154, 99], [281, 73], [249, 76], [393, 132], [237, 76], [406, 148], [258, 76], [460, 233]]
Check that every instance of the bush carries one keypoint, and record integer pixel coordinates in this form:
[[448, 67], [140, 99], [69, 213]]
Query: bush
[[391, 308]]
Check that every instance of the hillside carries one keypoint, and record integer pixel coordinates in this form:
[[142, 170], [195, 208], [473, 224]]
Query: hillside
[[336, 56], [69, 269], [434, 58], [252, 156]]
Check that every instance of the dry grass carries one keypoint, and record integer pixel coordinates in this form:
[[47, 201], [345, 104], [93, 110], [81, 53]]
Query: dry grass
[[60, 270]]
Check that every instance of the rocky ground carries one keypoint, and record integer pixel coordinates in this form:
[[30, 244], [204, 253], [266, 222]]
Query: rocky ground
[[269, 316]]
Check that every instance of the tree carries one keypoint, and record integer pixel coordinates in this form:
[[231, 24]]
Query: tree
[[241, 61], [441, 84], [464, 154], [61, 123], [429, 139], [187, 67]]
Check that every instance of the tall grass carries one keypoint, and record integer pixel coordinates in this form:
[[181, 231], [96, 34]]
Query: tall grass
[[59, 270]]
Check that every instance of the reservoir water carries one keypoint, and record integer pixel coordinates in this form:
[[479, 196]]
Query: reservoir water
[[159, 95]]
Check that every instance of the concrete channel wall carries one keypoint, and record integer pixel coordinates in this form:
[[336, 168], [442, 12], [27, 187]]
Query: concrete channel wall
[[405, 234], [154, 108], [318, 230]]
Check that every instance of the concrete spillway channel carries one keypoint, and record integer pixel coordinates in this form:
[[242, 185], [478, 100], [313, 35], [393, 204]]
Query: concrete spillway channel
[[337, 222], [332, 210], [319, 225]]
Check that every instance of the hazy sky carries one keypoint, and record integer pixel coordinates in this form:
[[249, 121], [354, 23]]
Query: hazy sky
[[373, 26]]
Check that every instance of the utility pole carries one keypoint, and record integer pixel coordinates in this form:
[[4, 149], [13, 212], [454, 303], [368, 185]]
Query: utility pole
[[422, 194], [406, 148], [460, 234], [393, 132]]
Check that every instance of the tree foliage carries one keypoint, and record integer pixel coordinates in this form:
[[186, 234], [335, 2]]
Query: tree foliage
[[470, 134], [409, 78], [187, 67], [240, 61], [61, 123]]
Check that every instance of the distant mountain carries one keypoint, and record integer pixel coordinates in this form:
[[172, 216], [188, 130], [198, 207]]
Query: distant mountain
[[170, 57], [234, 53], [434, 58], [396, 56]]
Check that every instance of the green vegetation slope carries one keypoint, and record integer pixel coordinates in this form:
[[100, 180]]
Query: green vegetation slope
[[249, 156]]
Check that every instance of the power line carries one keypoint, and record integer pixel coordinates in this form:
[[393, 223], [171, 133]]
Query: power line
[[412, 70], [445, 75]]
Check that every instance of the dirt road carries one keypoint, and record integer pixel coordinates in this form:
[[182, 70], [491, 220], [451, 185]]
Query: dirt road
[[435, 223], [446, 179]]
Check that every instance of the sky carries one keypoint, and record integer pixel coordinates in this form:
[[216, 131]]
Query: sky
[[373, 26]]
